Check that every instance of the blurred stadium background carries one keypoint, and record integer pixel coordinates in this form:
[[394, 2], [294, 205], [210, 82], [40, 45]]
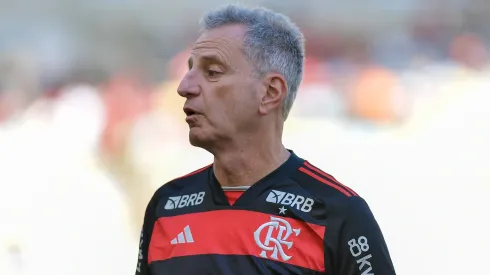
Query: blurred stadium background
[[394, 103]]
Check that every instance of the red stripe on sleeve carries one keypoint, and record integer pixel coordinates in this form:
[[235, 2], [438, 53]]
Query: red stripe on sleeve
[[239, 232], [318, 178], [307, 164], [330, 177], [195, 172]]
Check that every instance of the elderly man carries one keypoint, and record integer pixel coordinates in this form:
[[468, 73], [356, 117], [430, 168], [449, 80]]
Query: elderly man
[[259, 208]]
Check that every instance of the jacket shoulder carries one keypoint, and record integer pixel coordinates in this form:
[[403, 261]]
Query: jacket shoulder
[[182, 182], [321, 184]]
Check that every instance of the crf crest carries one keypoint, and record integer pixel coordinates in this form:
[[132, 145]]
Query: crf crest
[[278, 231]]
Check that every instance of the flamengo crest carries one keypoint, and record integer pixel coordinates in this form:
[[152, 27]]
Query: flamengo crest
[[276, 239]]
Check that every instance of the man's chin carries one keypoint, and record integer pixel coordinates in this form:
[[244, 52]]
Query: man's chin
[[197, 139]]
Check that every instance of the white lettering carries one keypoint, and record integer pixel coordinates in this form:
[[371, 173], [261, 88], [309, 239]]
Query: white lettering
[[363, 242], [355, 250], [184, 201], [288, 199], [200, 198], [357, 247], [140, 253], [307, 205], [192, 198], [367, 271], [296, 201], [364, 261]]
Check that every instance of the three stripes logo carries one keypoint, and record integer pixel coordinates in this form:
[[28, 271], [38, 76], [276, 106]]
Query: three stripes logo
[[183, 237], [321, 176]]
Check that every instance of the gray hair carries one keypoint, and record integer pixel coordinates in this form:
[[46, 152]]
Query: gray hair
[[272, 43]]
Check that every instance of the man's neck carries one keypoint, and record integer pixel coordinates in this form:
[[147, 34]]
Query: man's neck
[[246, 165]]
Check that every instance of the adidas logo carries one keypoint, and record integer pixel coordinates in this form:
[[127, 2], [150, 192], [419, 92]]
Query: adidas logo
[[183, 237]]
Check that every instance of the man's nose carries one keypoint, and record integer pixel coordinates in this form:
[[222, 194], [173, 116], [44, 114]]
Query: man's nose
[[188, 85]]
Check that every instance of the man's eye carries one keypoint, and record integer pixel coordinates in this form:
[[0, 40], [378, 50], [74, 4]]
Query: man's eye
[[212, 73]]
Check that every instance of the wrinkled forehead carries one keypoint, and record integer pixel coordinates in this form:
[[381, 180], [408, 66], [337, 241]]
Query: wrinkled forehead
[[225, 41], [233, 33]]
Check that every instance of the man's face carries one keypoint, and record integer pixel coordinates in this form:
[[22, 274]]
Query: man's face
[[222, 94]]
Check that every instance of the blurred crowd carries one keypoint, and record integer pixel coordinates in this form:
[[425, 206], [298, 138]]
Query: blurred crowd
[[91, 124]]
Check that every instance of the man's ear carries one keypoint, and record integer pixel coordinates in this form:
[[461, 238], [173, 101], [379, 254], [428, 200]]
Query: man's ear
[[276, 90]]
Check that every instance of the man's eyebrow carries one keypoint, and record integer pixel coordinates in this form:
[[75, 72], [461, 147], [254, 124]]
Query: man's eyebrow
[[208, 58]]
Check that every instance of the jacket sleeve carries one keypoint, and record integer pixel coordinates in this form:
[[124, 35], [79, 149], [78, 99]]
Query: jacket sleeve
[[360, 248], [142, 267]]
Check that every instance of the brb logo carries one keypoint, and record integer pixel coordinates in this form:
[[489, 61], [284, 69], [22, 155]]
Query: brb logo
[[297, 201], [184, 201], [276, 238]]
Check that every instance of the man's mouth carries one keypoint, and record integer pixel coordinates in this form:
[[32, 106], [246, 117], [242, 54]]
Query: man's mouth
[[190, 112]]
